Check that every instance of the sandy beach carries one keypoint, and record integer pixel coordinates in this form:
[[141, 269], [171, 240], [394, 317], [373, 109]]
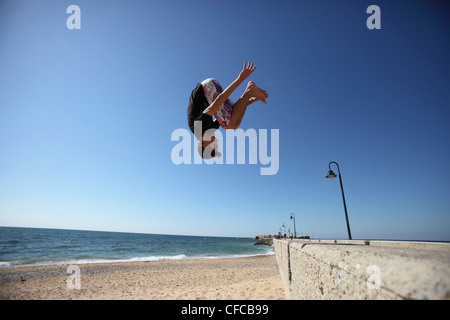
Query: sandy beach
[[252, 278]]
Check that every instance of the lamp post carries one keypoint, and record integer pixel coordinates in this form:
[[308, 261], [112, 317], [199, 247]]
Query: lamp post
[[332, 175], [295, 230]]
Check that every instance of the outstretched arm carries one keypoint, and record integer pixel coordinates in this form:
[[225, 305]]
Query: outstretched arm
[[221, 98]]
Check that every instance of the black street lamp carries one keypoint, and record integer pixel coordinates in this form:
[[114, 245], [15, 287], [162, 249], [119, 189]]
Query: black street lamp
[[332, 175], [295, 230]]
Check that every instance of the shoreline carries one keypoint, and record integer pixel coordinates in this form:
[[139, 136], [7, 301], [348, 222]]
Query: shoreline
[[6, 265], [239, 278]]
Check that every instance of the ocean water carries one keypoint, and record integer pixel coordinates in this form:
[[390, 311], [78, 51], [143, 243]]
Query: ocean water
[[33, 246]]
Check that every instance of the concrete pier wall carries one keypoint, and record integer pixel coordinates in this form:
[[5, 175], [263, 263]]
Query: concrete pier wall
[[341, 269]]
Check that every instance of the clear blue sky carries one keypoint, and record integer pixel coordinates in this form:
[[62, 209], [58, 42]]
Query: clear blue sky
[[86, 116]]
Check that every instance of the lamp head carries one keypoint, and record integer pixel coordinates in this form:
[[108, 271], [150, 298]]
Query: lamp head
[[331, 175]]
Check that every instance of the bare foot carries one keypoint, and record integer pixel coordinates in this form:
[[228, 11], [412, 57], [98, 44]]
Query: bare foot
[[256, 92]]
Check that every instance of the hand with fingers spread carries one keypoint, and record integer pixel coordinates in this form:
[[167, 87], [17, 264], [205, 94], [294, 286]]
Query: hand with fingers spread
[[247, 70]]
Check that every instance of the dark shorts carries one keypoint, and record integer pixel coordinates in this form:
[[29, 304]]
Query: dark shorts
[[197, 104]]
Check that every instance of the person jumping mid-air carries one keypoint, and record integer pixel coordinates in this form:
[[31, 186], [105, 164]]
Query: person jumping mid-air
[[209, 99]]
